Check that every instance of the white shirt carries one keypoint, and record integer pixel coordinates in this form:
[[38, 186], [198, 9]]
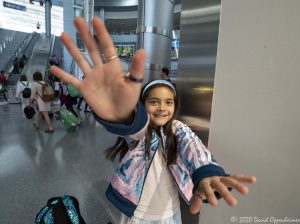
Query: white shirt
[[160, 199], [21, 87], [56, 86]]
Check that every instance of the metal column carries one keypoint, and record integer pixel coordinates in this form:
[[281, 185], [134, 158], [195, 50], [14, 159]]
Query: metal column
[[88, 12], [102, 14], [48, 5], [154, 32]]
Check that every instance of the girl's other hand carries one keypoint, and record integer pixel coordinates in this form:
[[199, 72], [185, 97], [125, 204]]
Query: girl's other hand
[[220, 184], [105, 88]]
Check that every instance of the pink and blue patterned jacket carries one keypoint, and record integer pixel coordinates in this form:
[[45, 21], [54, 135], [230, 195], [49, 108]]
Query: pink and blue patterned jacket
[[194, 162]]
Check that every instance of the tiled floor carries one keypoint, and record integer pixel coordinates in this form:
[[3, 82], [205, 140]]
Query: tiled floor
[[35, 166]]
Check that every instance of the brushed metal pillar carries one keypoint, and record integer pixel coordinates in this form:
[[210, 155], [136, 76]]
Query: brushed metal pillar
[[48, 5], [154, 34], [199, 29], [102, 14], [88, 12]]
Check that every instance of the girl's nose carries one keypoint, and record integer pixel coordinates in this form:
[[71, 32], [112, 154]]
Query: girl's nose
[[161, 107]]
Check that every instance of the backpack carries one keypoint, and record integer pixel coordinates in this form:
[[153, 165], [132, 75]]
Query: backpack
[[47, 92], [60, 210], [26, 93]]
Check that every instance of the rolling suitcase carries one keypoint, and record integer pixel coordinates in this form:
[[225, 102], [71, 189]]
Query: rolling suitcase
[[67, 119]]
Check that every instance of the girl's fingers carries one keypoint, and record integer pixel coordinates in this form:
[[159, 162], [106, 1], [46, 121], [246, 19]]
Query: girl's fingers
[[209, 193], [210, 185], [88, 40], [224, 192], [76, 53], [246, 179], [230, 182], [138, 64], [104, 38], [196, 203], [66, 77]]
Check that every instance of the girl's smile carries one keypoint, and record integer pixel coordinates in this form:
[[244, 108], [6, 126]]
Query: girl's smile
[[160, 105]]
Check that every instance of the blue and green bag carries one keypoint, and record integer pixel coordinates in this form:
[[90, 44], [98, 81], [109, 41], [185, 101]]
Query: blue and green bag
[[60, 210]]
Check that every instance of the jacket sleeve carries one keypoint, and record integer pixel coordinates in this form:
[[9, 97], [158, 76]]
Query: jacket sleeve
[[135, 130], [200, 162]]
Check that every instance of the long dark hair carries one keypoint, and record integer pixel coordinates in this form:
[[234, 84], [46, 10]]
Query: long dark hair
[[37, 76], [121, 146]]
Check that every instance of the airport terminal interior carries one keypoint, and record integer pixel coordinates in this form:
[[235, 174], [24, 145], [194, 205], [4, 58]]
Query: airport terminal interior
[[182, 36], [36, 165]]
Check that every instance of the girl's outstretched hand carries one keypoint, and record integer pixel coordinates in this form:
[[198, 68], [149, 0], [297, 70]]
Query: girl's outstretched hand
[[220, 184], [105, 87]]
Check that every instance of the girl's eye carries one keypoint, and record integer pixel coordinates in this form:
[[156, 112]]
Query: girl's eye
[[170, 102], [153, 102]]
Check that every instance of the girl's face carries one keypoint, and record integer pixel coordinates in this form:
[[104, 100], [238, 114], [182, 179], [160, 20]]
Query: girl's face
[[160, 105]]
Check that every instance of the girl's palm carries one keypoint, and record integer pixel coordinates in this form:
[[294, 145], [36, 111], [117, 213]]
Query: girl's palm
[[105, 87]]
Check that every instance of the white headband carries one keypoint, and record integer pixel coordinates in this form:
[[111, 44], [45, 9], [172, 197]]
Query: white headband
[[158, 81]]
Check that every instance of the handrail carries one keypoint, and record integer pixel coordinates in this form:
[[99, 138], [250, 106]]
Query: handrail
[[33, 35], [29, 53], [46, 77], [72, 66]]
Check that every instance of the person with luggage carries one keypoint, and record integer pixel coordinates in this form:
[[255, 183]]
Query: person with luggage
[[3, 84], [66, 115], [145, 127], [21, 63], [54, 60], [20, 94], [71, 101], [16, 66], [56, 87], [24, 57], [63, 93], [2, 91], [3, 77], [43, 107], [86, 106]]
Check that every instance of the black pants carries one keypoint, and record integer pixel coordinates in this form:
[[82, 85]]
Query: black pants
[[80, 102], [15, 70], [70, 102], [3, 94]]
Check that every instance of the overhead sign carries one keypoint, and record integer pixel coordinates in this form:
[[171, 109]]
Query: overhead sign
[[14, 6]]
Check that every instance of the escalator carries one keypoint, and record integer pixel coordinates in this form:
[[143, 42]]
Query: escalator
[[40, 52]]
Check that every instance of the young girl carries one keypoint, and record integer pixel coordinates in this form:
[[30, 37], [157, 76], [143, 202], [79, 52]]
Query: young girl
[[159, 156], [159, 161]]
